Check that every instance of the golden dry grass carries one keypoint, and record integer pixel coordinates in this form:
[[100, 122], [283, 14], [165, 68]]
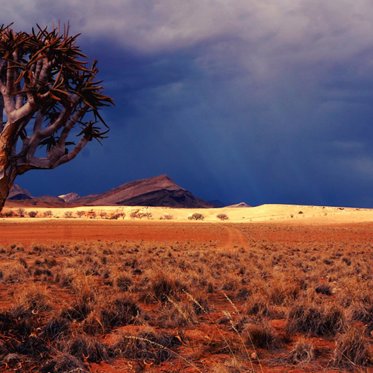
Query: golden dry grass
[[275, 298]]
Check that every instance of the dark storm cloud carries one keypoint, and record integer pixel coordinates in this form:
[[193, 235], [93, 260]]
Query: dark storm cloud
[[256, 100]]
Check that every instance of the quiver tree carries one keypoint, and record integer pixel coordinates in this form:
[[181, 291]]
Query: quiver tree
[[49, 102]]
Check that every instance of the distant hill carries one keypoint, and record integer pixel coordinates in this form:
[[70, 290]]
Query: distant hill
[[241, 204], [69, 197], [154, 191], [17, 193]]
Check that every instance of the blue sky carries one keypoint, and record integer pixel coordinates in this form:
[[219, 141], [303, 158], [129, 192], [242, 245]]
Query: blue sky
[[264, 101]]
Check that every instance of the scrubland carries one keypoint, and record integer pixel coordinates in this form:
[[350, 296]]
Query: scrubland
[[255, 298]]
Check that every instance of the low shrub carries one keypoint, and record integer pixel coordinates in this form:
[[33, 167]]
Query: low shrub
[[21, 212], [137, 214], [47, 214], [117, 215], [91, 214], [80, 214], [196, 216], [8, 214]]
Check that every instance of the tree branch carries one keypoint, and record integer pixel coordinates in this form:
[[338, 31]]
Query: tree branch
[[71, 155], [45, 74], [8, 105], [58, 123], [71, 123]]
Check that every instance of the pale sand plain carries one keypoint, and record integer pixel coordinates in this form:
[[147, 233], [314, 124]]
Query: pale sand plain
[[263, 213]]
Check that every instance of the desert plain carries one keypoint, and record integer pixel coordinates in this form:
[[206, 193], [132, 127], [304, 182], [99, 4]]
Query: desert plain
[[273, 288]]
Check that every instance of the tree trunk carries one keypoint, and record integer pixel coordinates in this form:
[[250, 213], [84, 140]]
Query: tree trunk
[[4, 192], [7, 174], [1, 111], [7, 178]]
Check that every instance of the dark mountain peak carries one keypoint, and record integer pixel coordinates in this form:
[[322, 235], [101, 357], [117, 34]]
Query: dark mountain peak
[[155, 182], [154, 191], [17, 193]]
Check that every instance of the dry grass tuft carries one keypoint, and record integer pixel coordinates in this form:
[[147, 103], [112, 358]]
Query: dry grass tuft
[[56, 328], [63, 363], [87, 348], [311, 320], [302, 353], [164, 287], [352, 349], [120, 312], [261, 336], [147, 346]]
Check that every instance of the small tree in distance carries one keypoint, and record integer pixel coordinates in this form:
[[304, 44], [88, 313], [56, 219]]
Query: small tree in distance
[[49, 96]]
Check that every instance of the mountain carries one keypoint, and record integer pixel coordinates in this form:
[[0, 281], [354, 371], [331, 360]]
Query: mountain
[[69, 197], [241, 204], [21, 197], [17, 193], [154, 191]]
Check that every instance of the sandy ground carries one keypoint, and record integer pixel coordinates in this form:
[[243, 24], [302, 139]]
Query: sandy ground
[[179, 226], [263, 213], [267, 231], [224, 235]]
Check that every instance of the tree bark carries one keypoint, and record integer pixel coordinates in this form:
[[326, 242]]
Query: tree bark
[[7, 173], [6, 183], [7, 178], [1, 110], [4, 192]]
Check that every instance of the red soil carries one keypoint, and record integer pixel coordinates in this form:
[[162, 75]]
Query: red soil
[[203, 235], [237, 234]]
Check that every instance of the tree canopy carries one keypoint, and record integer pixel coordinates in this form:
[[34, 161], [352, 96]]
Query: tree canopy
[[51, 100]]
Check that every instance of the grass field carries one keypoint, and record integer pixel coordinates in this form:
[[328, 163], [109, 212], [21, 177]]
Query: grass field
[[146, 296]]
